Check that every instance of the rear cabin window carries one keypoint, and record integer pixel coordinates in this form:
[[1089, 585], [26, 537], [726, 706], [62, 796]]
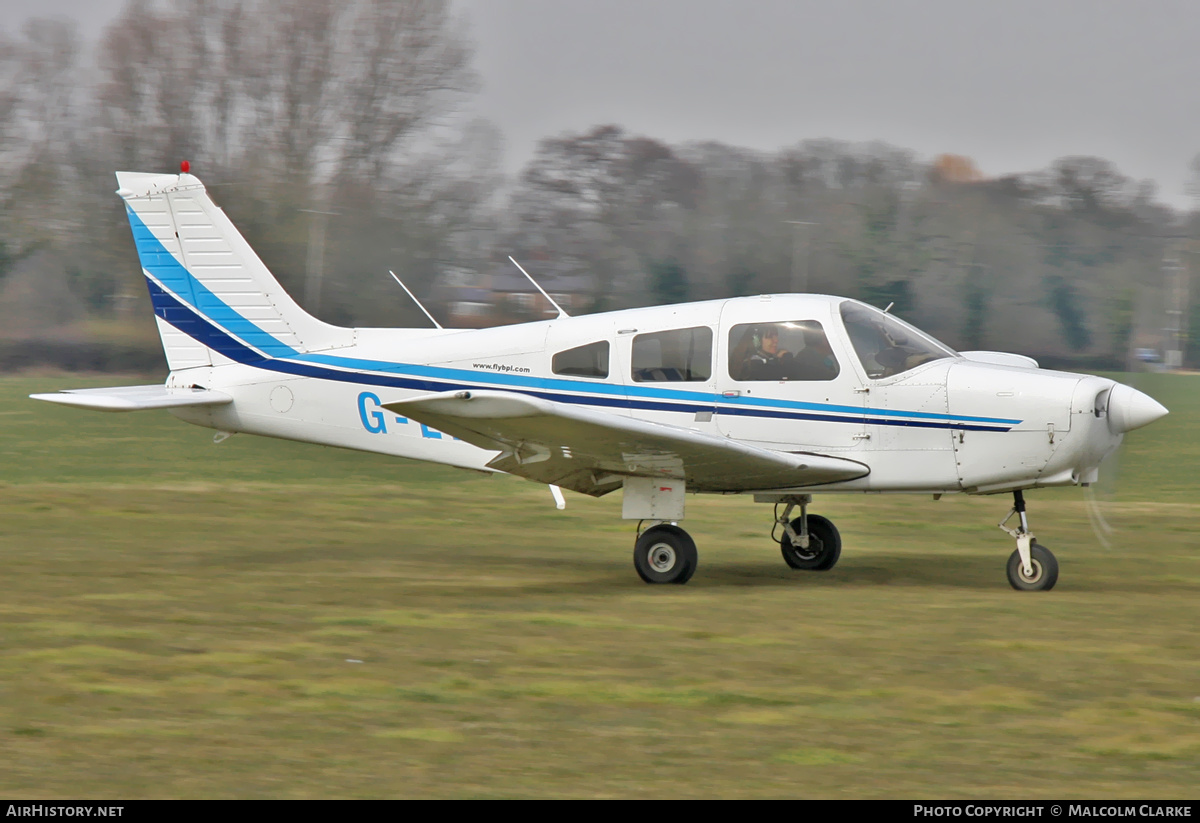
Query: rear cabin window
[[795, 350], [681, 355], [583, 361]]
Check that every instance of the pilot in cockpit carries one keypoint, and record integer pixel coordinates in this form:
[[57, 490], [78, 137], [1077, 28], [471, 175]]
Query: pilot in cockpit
[[769, 357], [766, 361]]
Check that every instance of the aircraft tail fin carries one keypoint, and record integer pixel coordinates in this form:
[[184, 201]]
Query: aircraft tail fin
[[214, 299]]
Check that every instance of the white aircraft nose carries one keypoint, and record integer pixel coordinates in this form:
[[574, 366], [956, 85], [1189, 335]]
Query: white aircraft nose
[[1129, 409]]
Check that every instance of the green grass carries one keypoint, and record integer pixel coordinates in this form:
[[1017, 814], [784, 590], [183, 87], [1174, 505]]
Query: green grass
[[267, 619]]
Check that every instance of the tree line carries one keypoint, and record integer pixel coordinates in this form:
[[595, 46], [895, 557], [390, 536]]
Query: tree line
[[335, 136]]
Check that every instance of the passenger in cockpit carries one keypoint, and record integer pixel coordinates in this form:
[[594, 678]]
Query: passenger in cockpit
[[815, 361]]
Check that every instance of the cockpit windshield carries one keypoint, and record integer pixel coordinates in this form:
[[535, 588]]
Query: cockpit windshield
[[886, 345]]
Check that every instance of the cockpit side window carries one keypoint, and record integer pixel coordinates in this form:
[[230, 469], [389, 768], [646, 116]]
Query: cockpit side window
[[795, 350], [680, 355], [583, 361], [886, 345]]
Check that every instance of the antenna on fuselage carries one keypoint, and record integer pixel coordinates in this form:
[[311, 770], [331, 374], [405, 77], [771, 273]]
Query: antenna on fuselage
[[414, 299], [561, 313]]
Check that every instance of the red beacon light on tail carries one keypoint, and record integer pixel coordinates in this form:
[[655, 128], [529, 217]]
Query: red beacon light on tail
[[185, 167]]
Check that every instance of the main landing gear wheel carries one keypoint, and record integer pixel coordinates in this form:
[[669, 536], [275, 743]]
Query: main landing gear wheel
[[1045, 570], [824, 545], [665, 554]]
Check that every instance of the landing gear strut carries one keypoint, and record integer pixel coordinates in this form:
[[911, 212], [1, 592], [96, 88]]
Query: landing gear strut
[[809, 542], [1032, 567]]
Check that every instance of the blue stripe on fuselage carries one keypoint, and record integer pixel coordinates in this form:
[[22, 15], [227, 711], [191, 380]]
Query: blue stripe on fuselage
[[176, 278], [705, 400], [405, 376]]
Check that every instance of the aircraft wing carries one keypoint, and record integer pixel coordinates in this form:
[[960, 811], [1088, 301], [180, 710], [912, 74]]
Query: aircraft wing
[[136, 398], [592, 451]]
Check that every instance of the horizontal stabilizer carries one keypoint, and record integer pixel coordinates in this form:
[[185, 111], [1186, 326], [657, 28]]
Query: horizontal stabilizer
[[135, 398]]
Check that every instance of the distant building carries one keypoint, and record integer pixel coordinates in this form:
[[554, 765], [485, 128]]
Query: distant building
[[501, 295]]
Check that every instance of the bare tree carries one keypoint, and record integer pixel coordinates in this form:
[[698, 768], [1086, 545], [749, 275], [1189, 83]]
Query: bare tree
[[39, 82], [293, 82], [607, 201], [170, 86], [1193, 182], [405, 65], [10, 96]]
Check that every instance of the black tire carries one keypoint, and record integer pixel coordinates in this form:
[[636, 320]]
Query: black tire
[[1045, 570], [824, 546], [665, 554]]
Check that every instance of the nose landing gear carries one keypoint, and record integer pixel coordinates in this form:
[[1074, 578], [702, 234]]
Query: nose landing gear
[[1032, 567]]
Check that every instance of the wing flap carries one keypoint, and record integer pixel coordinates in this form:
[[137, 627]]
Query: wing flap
[[592, 451], [135, 398]]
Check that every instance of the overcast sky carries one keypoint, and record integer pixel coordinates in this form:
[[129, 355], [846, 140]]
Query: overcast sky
[[1013, 84]]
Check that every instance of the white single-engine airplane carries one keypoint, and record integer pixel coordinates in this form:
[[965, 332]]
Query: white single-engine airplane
[[780, 395]]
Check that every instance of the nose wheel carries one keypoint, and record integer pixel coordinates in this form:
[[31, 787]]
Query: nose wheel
[[1032, 567], [1044, 570]]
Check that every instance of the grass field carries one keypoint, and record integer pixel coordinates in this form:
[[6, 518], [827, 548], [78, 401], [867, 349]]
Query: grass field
[[267, 619]]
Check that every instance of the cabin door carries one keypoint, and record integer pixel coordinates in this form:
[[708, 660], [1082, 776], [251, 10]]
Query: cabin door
[[784, 381]]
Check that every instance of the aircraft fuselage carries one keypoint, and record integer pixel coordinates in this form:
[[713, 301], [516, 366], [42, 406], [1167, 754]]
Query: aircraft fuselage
[[947, 425]]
